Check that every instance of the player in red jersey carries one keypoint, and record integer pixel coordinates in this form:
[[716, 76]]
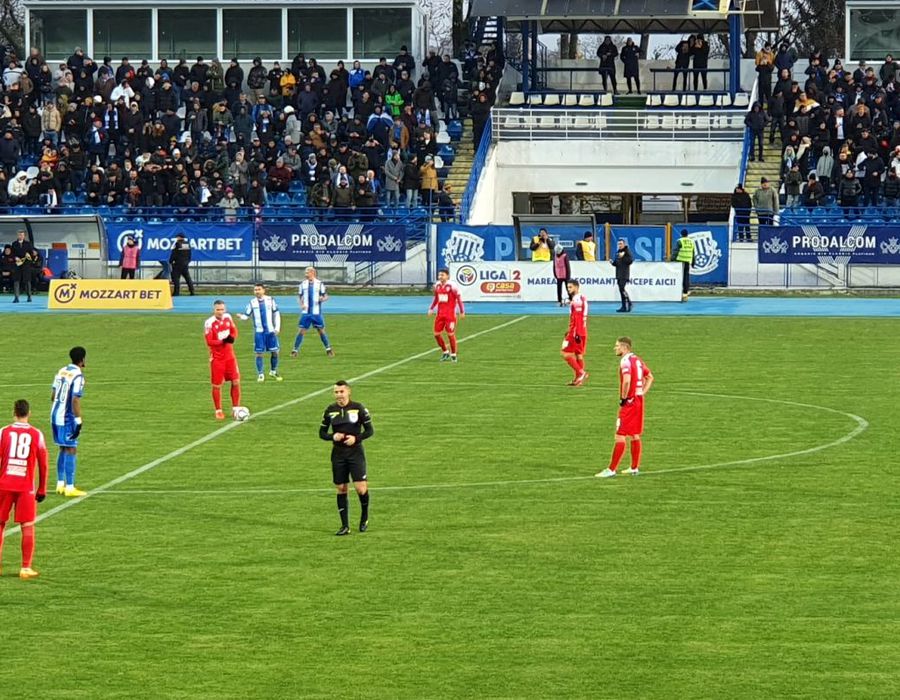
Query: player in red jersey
[[446, 300], [220, 334], [575, 342], [22, 448], [635, 380]]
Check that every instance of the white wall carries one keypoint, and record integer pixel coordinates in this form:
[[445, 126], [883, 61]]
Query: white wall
[[645, 167]]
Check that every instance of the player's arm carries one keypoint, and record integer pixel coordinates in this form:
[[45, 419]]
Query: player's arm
[[648, 380], [249, 310], [624, 389], [459, 302], [42, 461], [434, 303], [276, 318]]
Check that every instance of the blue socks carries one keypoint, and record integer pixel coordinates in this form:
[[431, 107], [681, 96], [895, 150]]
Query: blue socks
[[273, 361], [298, 341], [324, 338], [70, 469], [259, 364], [61, 466]]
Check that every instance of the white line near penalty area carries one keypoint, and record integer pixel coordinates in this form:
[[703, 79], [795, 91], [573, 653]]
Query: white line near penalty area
[[174, 454]]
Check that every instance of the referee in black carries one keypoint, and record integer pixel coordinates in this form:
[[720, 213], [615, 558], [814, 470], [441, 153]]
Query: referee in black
[[350, 424]]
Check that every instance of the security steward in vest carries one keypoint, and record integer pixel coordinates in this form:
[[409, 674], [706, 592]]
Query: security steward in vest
[[586, 249], [541, 246], [180, 260], [684, 254], [349, 423]]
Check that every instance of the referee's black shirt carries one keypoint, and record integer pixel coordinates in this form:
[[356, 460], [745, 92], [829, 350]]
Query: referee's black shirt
[[352, 419]]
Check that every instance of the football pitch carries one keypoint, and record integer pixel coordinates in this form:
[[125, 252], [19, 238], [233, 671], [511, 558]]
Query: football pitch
[[754, 556]]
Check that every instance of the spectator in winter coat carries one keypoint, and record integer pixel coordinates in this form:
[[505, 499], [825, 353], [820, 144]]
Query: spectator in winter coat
[[765, 66], [230, 205], [793, 181], [700, 56], [756, 121], [630, 56], [765, 201], [682, 62], [412, 180], [892, 188], [849, 190], [813, 194], [742, 205], [428, 181], [404, 62], [824, 168], [608, 53], [393, 179]]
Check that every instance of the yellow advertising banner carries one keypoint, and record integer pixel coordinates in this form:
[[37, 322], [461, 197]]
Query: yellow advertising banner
[[138, 295]]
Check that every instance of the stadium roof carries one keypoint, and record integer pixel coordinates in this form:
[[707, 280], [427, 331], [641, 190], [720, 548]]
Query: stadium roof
[[630, 16]]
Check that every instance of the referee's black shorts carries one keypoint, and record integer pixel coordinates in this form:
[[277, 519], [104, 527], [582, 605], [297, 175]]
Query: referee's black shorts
[[348, 465]]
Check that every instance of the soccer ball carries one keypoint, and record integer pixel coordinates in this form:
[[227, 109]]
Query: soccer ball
[[241, 413]]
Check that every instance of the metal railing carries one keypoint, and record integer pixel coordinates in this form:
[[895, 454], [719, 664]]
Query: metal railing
[[478, 163], [543, 123]]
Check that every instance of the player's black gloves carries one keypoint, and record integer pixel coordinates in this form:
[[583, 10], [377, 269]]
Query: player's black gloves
[[229, 340], [40, 497], [624, 402], [75, 432]]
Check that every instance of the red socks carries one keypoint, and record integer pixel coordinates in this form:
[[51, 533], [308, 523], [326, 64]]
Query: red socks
[[635, 453], [580, 362], [217, 397], [618, 451], [441, 344], [573, 363], [27, 546], [453, 344], [235, 394]]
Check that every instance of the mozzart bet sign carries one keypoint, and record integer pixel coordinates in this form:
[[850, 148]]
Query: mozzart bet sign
[[110, 294], [534, 281]]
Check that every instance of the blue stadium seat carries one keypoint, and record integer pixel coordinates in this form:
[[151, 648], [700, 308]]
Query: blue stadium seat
[[455, 130], [447, 153], [280, 199], [300, 197], [69, 198]]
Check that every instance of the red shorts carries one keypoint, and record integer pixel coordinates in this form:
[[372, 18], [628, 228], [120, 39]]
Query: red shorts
[[569, 344], [26, 506], [631, 418], [222, 371], [445, 323]]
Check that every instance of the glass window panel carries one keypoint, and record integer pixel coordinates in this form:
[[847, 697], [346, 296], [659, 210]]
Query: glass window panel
[[319, 34], [874, 34], [56, 33], [251, 33], [381, 32], [120, 33], [186, 34]]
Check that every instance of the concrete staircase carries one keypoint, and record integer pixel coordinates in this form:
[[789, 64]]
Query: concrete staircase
[[461, 169], [770, 169]]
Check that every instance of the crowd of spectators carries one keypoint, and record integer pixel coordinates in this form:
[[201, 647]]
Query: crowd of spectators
[[207, 134], [839, 129]]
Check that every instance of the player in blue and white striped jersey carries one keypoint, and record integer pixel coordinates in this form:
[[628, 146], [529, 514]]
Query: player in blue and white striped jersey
[[263, 312], [312, 295], [65, 417]]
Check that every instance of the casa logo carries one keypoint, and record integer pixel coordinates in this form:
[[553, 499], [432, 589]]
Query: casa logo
[[502, 287], [466, 275], [65, 293]]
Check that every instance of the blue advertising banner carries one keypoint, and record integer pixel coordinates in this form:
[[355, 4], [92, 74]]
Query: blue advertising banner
[[854, 244], [209, 242], [710, 251], [459, 243], [647, 243], [332, 242]]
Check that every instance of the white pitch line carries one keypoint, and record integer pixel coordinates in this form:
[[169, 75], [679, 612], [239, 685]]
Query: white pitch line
[[861, 425], [174, 454]]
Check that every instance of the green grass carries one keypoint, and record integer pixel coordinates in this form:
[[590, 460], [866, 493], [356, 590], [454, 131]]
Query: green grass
[[769, 579]]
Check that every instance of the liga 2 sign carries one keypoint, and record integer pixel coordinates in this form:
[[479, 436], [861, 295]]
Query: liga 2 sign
[[534, 281], [132, 295]]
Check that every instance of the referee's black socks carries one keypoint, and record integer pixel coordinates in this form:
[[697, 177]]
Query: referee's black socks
[[342, 509], [364, 506]]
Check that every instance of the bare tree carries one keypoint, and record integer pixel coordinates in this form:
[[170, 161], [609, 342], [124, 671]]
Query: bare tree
[[12, 25], [814, 25]]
